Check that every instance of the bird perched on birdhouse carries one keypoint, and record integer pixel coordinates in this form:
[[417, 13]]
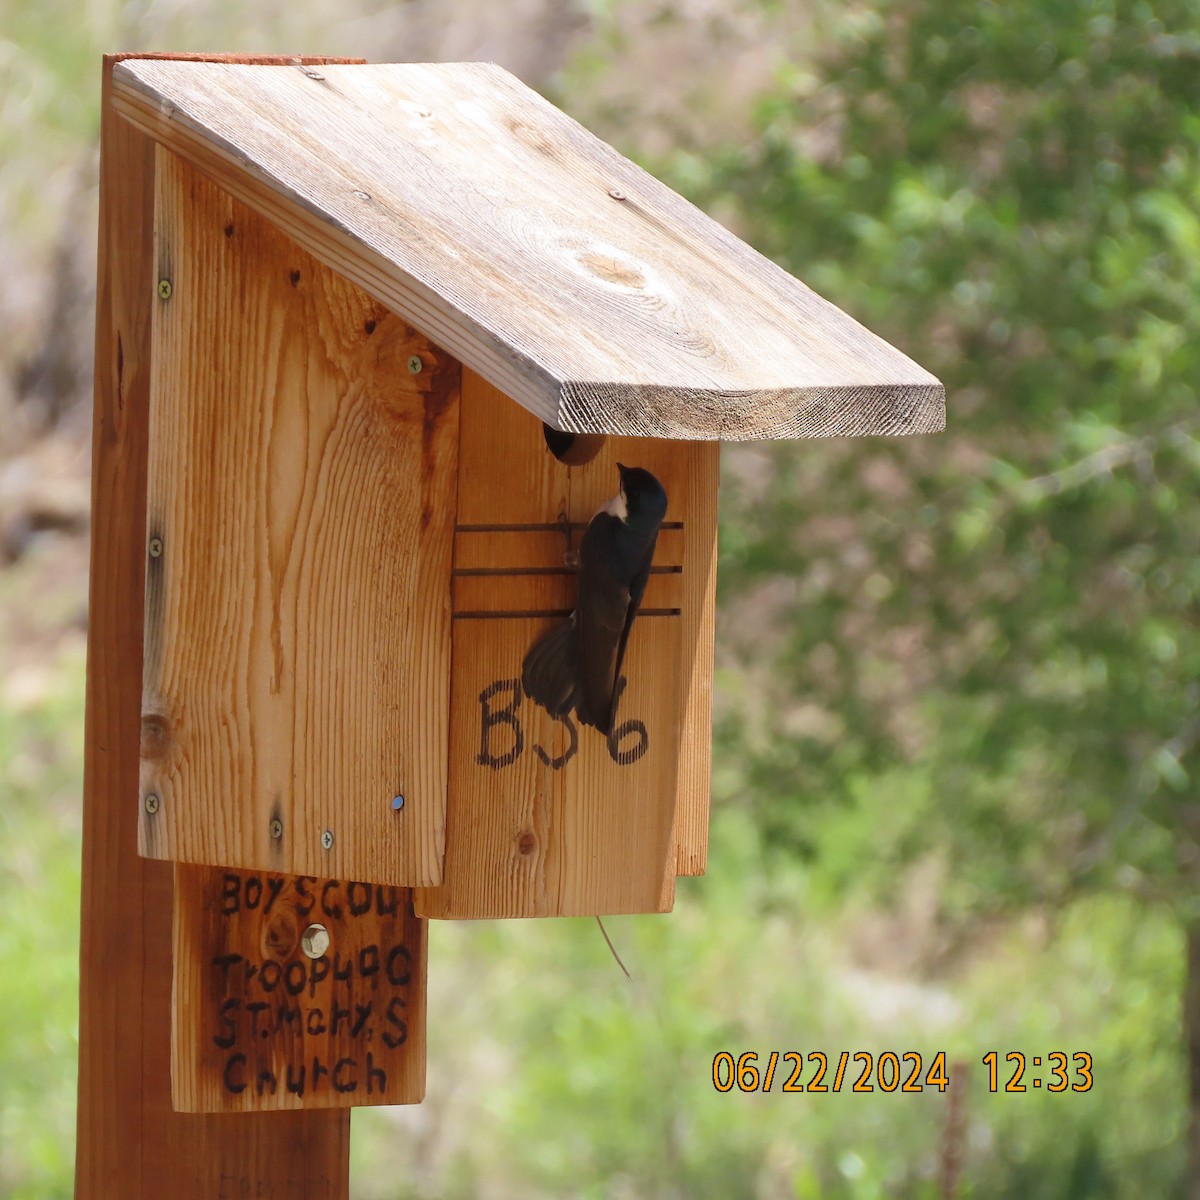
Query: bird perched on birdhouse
[[577, 665]]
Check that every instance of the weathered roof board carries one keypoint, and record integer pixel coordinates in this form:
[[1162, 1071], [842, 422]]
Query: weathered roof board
[[567, 276]]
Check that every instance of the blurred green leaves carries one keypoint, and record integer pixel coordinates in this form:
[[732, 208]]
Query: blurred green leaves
[[1011, 191], [41, 717]]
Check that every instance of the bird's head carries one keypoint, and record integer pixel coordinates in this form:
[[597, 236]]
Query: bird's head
[[645, 497]]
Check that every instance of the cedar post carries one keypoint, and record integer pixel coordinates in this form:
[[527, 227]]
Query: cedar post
[[129, 1141]]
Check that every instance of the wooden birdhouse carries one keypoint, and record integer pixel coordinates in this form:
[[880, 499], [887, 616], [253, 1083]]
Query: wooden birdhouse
[[372, 341]]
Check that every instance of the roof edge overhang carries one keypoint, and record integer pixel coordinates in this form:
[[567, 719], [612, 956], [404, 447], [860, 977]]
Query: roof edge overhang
[[904, 399]]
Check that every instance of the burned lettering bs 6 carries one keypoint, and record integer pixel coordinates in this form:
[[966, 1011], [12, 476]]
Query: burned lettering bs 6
[[299, 1025], [502, 735]]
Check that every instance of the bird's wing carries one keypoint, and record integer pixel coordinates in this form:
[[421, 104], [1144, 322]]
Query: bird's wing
[[602, 615], [637, 589]]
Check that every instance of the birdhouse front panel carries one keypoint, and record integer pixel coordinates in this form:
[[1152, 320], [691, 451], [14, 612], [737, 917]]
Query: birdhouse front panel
[[546, 815], [303, 448]]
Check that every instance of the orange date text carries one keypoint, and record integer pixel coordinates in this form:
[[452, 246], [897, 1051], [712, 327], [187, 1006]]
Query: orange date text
[[816, 1071]]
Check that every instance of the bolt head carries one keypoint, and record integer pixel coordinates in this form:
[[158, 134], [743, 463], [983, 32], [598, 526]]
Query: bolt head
[[151, 802], [277, 829], [314, 941], [415, 365], [164, 289], [327, 839]]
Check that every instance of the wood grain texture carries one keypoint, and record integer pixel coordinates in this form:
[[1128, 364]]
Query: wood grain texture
[[129, 1141], [517, 591], [476, 547], [301, 512], [575, 282], [258, 1025], [696, 676], [541, 822]]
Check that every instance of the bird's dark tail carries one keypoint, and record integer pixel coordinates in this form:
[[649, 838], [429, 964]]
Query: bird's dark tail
[[550, 672]]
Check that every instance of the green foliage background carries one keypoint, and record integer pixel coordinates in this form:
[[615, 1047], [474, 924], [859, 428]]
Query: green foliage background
[[956, 802]]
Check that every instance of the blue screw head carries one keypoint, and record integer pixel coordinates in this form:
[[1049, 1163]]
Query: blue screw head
[[398, 803]]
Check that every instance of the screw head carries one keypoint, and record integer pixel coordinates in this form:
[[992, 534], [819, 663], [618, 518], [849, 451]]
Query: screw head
[[164, 289], [327, 839], [156, 547], [314, 941], [616, 193], [276, 828], [398, 803], [415, 364], [151, 802]]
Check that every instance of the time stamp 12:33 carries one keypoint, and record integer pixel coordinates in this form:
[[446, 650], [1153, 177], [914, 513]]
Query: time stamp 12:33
[[863, 1071]]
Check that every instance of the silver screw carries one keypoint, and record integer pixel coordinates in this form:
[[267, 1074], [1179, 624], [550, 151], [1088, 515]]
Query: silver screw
[[276, 828], [616, 193], [314, 941], [164, 289], [156, 547], [327, 839], [151, 802], [415, 365]]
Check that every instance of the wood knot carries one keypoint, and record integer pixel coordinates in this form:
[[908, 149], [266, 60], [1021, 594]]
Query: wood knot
[[280, 936], [526, 842], [613, 269], [156, 735]]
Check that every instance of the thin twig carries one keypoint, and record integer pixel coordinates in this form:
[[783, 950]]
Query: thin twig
[[613, 950], [1107, 459]]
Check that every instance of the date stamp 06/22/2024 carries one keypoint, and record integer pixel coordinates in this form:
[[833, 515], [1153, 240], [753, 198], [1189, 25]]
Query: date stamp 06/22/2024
[[862, 1071]]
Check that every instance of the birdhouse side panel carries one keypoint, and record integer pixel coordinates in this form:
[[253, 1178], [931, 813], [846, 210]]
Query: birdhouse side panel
[[300, 512], [696, 677]]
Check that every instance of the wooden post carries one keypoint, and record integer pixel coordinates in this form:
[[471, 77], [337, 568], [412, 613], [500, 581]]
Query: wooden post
[[129, 1141]]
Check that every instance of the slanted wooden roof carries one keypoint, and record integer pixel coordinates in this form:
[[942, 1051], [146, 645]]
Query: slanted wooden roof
[[575, 282]]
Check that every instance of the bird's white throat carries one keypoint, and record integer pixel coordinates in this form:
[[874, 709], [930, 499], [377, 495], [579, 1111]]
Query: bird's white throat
[[616, 506]]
